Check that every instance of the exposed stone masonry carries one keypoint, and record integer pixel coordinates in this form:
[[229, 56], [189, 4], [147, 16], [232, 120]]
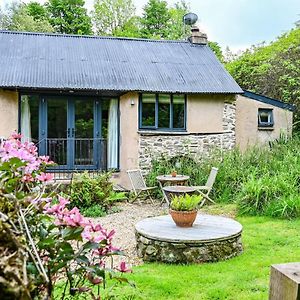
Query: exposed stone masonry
[[153, 146], [154, 250]]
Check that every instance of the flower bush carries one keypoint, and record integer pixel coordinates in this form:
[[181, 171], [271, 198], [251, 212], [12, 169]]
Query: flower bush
[[42, 241]]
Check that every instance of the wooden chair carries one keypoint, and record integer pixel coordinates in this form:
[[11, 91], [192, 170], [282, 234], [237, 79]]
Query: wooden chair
[[205, 190], [139, 185]]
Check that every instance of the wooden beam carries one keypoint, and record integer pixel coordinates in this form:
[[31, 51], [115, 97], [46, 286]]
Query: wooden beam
[[285, 282]]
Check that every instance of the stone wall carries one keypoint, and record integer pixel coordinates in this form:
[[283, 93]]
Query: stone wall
[[153, 250], [155, 145]]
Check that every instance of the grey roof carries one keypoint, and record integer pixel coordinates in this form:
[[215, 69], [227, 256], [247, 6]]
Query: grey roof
[[268, 100], [55, 61]]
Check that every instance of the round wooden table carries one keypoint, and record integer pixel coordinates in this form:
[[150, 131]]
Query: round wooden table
[[176, 180], [177, 190], [171, 180]]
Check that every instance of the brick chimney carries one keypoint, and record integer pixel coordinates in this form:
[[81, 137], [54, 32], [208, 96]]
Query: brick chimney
[[197, 36]]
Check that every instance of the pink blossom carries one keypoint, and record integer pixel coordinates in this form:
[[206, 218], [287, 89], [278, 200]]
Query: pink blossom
[[64, 216], [45, 177], [73, 218], [27, 178], [123, 268], [93, 233], [16, 135]]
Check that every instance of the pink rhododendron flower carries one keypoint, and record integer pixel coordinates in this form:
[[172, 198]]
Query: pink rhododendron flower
[[27, 178], [123, 268], [16, 135], [64, 216], [73, 218], [92, 233], [45, 177]]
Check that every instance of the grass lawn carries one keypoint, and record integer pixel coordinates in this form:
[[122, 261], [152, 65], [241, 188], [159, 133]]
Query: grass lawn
[[266, 241]]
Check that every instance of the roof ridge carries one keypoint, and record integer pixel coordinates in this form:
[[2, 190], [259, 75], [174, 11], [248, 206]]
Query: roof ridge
[[90, 36]]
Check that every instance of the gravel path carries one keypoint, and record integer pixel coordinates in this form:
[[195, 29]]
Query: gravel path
[[123, 222]]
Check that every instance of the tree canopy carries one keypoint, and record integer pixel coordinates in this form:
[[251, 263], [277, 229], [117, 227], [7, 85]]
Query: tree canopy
[[30, 17], [110, 16], [272, 70], [69, 16]]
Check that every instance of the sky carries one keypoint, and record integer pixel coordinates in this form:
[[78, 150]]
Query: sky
[[237, 24]]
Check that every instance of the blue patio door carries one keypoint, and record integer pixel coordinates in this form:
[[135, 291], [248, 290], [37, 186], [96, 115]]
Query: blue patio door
[[70, 131]]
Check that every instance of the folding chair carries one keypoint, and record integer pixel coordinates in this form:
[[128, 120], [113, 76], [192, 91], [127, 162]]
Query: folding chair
[[205, 190], [139, 185]]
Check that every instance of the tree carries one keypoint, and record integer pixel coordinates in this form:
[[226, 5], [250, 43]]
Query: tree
[[215, 47], [132, 28], [19, 18], [110, 16], [69, 16], [177, 30], [273, 70], [155, 21], [37, 11]]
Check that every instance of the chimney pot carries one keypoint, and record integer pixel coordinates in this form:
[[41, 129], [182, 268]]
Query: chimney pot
[[198, 37]]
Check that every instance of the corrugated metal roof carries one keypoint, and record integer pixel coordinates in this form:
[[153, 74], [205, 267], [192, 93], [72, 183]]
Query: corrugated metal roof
[[55, 61], [268, 100]]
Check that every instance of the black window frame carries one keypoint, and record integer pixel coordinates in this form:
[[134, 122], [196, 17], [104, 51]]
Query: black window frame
[[269, 124], [155, 127]]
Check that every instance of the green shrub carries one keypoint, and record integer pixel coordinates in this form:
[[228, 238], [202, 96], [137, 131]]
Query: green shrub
[[93, 211], [87, 191], [262, 181]]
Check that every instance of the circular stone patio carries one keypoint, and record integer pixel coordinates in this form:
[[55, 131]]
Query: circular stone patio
[[212, 238]]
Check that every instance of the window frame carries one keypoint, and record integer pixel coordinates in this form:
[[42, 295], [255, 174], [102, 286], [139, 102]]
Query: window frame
[[261, 124], [155, 127]]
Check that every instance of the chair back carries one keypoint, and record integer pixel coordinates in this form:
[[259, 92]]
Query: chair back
[[212, 177], [136, 179]]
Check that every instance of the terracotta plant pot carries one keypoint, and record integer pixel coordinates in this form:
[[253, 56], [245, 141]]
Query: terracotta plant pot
[[174, 174], [183, 218]]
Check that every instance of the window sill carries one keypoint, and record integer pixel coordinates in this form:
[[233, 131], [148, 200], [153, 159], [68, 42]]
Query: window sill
[[265, 128], [162, 132]]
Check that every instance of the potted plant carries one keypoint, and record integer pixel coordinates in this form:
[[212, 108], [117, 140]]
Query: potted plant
[[174, 173], [183, 209]]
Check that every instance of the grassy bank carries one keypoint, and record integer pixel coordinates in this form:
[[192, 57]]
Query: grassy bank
[[266, 241]]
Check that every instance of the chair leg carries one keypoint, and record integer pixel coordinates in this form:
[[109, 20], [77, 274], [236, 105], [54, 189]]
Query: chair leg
[[151, 199], [137, 194], [205, 197]]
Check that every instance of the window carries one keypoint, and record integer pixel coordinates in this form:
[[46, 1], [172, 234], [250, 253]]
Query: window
[[162, 111], [265, 117]]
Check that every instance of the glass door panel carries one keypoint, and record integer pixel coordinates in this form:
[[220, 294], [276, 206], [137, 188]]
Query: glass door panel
[[84, 132], [57, 130]]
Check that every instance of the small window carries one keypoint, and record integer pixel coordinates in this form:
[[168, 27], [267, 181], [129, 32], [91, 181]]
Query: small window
[[265, 117], [162, 112]]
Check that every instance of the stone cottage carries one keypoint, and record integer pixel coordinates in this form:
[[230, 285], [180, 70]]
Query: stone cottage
[[97, 103]]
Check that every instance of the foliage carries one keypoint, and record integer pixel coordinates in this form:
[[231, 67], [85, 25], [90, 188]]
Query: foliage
[[176, 29], [266, 241], [161, 22], [132, 28], [185, 202], [110, 16], [273, 70], [42, 241], [37, 11], [26, 17], [215, 47], [87, 190], [262, 181], [155, 19], [93, 211], [69, 16]]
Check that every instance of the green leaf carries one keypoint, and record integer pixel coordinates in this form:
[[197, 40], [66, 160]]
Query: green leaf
[[72, 233]]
